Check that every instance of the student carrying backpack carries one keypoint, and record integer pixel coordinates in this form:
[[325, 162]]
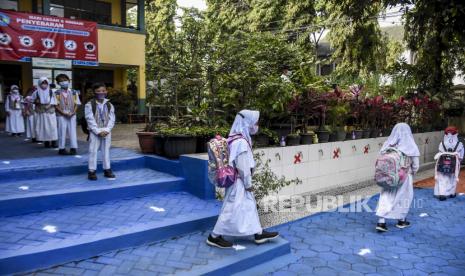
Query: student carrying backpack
[[448, 160], [398, 162]]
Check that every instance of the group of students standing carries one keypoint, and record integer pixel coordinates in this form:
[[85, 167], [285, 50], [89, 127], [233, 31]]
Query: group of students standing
[[49, 117], [239, 216]]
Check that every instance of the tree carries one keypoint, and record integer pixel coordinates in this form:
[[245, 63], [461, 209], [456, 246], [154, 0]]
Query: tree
[[356, 37], [435, 30]]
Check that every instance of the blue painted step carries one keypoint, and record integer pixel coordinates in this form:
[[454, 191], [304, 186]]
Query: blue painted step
[[229, 263], [48, 193], [186, 255], [52, 237]]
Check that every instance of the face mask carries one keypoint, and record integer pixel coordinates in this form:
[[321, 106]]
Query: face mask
[[254, 130], [15, 91], [100, 96], [64, 84]]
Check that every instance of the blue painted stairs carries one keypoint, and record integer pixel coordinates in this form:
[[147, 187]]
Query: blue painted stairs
[[51, 215]]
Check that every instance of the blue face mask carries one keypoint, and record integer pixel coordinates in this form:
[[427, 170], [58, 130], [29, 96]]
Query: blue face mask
[[100, 96], [64, 84]]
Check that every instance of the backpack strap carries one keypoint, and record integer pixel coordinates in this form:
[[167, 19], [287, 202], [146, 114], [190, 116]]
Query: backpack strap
[[457, 146]]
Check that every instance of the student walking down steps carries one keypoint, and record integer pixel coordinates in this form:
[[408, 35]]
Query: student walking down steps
[[239, 215], [395, 203]]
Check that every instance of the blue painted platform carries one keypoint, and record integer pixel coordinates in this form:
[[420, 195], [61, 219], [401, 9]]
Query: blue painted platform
[[86, 231], [52, 215]]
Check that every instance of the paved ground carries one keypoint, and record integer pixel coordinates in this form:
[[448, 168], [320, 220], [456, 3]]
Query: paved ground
[[429, 183], [332, 243], [123, 136]]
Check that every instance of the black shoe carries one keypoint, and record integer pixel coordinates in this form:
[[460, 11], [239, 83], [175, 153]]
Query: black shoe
[[218, 242], [18, 134], [381, 227], [54, 144], [401, 224], [47, 144], [92, 175], [72, 151], [442, 198], [265, 236], [108, 173], [453, 196], [34, 140], [62, 152]]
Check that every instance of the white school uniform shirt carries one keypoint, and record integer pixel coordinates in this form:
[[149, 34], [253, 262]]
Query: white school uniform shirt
[[90, 117]]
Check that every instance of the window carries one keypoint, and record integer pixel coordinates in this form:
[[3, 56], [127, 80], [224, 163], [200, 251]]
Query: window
[[97, 11], [9, 5], [131, 13]]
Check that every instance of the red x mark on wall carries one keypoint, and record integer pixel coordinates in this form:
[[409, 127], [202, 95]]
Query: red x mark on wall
[[366, 150], [336, 153], [297, 158]]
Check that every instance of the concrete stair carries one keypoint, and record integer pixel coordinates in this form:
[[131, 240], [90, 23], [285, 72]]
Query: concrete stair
[[53, 216]]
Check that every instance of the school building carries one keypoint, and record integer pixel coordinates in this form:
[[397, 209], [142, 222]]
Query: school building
[[121, 45]]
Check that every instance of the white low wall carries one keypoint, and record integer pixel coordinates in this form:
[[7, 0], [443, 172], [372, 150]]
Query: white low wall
[[330, 165]]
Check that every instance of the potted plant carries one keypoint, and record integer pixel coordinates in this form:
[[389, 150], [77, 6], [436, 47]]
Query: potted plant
[[147, 139], [293, 139], [179, 141], [306, 138], [264, 137], [338, 111]]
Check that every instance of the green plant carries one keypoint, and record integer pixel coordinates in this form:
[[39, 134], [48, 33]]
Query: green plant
[[265, 181], [272, 135]]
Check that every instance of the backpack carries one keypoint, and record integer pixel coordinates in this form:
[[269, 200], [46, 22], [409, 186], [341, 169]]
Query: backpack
[[83, 121], [392, 168], [447, 163], [220, 173]]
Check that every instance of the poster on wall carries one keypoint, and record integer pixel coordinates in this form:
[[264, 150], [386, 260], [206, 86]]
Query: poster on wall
[[26, 35]]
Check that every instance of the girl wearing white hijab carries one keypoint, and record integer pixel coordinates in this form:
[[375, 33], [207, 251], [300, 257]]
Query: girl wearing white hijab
[[46, 122], [14, 120], [446, 184], [395, 204], [239, 215]]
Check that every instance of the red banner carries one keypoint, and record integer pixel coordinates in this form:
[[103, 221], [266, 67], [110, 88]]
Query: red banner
[[26, 35]]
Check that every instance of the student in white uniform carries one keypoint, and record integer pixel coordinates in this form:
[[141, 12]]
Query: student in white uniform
[[14, 117], [28, 112], [446, 183], [239, 215], [46, 121], [100, 117], [395, 204], [67, 105]]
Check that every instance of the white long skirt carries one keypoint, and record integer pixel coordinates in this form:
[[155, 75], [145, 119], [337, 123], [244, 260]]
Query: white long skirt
[[46, 127], [446, 184], [15, 122], [239, 215], [395, 204]]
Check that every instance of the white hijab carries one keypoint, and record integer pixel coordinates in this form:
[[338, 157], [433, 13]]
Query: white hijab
[[44, 94], [450, 141], [243, 123], [402, 138], [14, 95]]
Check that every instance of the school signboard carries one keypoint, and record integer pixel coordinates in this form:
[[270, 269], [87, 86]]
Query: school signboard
[[26, 35]]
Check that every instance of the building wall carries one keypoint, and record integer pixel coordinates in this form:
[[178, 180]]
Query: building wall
[[338, 164], [128, 49]]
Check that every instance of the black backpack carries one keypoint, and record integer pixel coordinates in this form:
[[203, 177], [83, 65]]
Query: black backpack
[[447, 163], [83, 121]]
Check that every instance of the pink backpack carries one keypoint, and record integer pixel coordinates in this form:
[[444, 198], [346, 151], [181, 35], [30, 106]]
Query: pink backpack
[[392, 169], [220, 173]]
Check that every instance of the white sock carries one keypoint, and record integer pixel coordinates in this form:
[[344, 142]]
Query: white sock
[[381, 220], [214, 235]]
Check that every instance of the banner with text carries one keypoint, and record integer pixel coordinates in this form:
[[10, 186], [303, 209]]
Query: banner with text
[[26, 35]]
